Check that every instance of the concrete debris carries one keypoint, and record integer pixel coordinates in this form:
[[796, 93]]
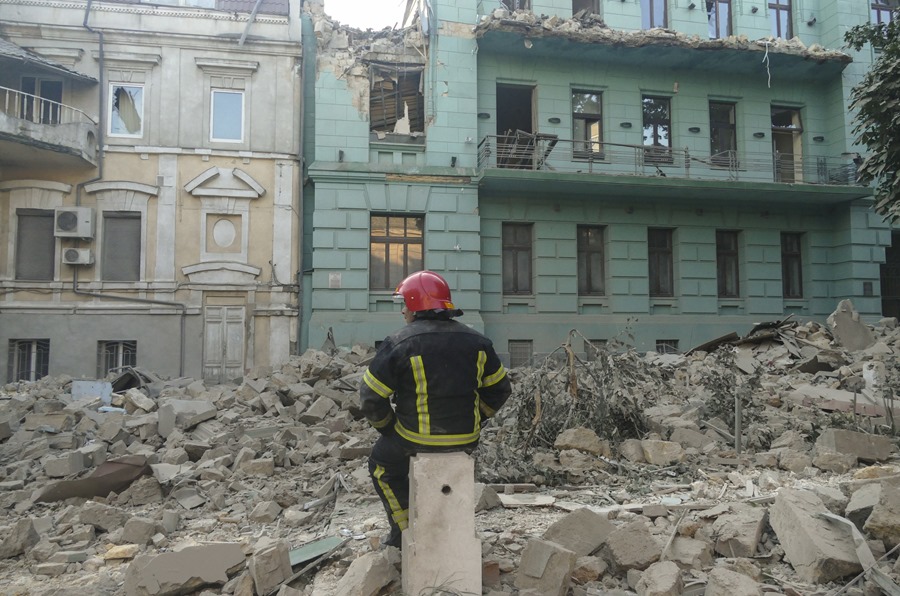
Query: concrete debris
[[183, 571], [546, 568], [849, 331], [661, 579], [367, 575], [724, 582], [582, 531]]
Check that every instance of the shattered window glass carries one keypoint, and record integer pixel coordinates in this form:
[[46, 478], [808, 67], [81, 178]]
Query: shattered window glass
[[396, 101], [126, 111]]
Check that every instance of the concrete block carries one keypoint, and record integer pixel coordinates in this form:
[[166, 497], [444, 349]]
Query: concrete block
[[134, 399], [270, 567], [631, 546], [582, 439], [861, 504], [259, 467], [818, 550], [318, 411], [687, 437], [101, 516], [64, 465], [265, 512], [184, 414], [588, 569], [367, 575], [834, 498], [18, 538], [485, 497], [582, 531], [724, 582], [632, 450], [139, 530], [7, 427], [439, 546], [51, 569], [867, 448], [545, 568], [661, 579], [690, 553], [836, 463], [184, 571], [884, 521], [738, 532], [662, 453]]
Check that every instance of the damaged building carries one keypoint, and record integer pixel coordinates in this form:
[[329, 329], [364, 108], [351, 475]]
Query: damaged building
[[149, 187], [672, 171]]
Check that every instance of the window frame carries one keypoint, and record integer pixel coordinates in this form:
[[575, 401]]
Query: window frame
[[592, 7], [588, 256], [882, 12], [388, 123], [212, 114], [26, 243], [511, 252], [48, 113], [715, 126], [728, 272], [107, 250], [516, 4], [522, 346], [778, 8], [410, 265], [38, 355], [656, 153], [792, 265], [648, 14], [587, 145], [111, 110], [121, 349], [661, 260], [666, 346], [713, 11]]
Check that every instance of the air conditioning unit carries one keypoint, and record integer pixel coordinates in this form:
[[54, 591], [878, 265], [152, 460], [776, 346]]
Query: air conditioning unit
[[73, 222], [77, 256]]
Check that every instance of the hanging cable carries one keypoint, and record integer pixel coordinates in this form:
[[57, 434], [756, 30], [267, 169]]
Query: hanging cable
[[767, 63]]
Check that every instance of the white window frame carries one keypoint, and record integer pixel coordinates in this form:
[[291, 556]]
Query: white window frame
[[212, 114], [109, 110]]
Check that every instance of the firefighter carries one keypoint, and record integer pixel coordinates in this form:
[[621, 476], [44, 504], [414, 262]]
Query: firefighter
[[429, 388]]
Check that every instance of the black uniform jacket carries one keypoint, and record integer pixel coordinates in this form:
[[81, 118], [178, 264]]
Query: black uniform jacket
[[443, 379]]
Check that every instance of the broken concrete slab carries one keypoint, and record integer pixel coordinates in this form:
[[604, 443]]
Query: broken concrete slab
[[848, 329], [270, 566], [724, 582], [689, 553], [18, 538], [485, 497], [588, 569], [545, 568], [367, 575], [861, 504], [818, 551], [184, 414], [884, 521], [662, 578], [866, 447], [181, 572], [582, 439], [631, 546], [662, 453], [582, 531], [739, 531], [103, 517]]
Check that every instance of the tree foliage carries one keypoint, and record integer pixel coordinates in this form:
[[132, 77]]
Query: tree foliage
[[876, 100]]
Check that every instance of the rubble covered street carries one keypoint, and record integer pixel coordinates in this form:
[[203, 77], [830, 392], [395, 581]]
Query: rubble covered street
[[758, 464]]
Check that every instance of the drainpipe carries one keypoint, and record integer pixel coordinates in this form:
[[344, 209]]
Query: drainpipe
[[302, 181], [99, 176]]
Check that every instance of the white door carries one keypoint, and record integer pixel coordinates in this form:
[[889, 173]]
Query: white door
[[223, 343]]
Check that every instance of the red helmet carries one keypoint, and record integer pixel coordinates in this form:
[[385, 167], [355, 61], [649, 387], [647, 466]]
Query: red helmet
[[425, 290]]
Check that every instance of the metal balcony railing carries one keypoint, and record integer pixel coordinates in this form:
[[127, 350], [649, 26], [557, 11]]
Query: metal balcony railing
[[525, 151], [39, 110]]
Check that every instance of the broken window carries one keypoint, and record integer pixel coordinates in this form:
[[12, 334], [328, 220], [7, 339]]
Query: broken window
[[126, 110], [781, 18], [657, 125], [113, 355], [722, 134], [396, 101], [396, 248], [792, 264], [727, 263], [718, 13], [587, 124], [227, 116], [29, 359], [590, 261], [121, 257], [516, 4], [521, 352], [517, 240], [35, 245], [653, 14], [589, 6], [882, 11], [661, 263], [667, 346]]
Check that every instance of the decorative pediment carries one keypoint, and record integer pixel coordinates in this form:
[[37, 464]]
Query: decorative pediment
[[221, 273], [225, 182]]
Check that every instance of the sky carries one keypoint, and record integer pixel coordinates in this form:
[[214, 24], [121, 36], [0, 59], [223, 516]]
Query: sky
[[366, 14]]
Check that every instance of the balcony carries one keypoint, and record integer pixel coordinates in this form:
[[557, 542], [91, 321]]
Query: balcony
[[39, 132], [539, 163]]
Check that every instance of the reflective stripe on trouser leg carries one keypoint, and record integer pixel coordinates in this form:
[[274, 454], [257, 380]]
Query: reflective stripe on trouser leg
[[398, 514]]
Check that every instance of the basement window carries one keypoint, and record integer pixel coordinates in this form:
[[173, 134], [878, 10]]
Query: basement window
[[667, 346], [516, 4], [589, 6], [29, 359], [521, 352], [114, 355], [396, 102]]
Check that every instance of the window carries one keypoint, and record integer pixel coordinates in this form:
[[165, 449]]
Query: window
[[659, 252], [718, 12], [396, 102], [227, 116], [667, 346], [35, 245], [113, 355], [396, 246], [29, 359], [126, 110], [521, 352], [121, 246], [43, 102], [727, 273], [590, 261], [722, 134], [517, 258], [780, 16], [787, 132], [516, 4], [592, 348], [657, 125], [791, 265], [882, 9], [591, 6], [653, 14], [587, 124]]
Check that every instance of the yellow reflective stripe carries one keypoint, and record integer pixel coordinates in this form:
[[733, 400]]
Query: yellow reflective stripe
[[494, 378], [477, 427], [435, 440], [488, 410], [418, 370], [479, 365], [398, 514], [383, 422], [376, 385]]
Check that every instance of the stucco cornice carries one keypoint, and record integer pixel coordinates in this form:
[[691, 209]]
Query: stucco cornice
[[41, 184], [123, 185], [153, 10]]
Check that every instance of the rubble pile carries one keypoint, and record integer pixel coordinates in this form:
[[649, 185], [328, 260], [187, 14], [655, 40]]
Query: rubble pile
[[749, 465]]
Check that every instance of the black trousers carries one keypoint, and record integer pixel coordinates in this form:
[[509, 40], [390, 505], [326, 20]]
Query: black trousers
[[389, 469]]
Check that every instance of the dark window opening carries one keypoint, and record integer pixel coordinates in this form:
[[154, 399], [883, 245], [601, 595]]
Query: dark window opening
[[727, 264], [722, 134], [515, 126], [661, 262], [667, 346], [787, 131], [792, 264], [591, 274], [396, 249], [121, 246], [29, 359], [396, 101], [657, 120], [35, 245], [517, 240], [890, 278]]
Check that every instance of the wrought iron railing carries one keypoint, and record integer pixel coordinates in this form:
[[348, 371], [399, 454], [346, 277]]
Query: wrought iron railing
[[39, 110], [523, 151]]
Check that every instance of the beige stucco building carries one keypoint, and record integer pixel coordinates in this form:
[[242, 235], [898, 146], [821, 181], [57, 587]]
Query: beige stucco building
[[149, 186]]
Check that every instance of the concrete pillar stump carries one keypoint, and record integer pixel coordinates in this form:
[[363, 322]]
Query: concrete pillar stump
[[440, 549]]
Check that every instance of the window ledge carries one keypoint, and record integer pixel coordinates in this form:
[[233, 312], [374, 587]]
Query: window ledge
[[397, 142]]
